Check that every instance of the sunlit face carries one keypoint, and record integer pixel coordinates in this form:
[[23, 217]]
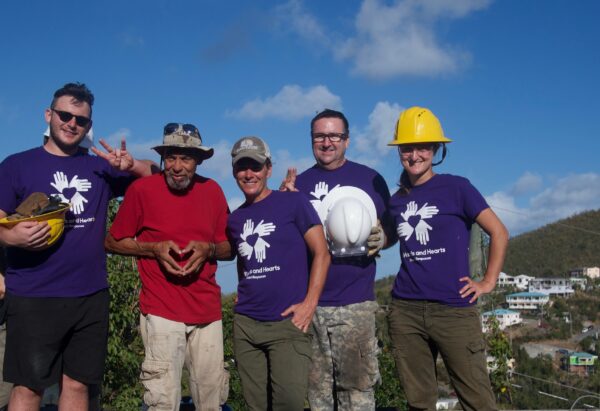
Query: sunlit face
[[66, 135], [251, 178], [417, 159], [179, 170], [330, 155]]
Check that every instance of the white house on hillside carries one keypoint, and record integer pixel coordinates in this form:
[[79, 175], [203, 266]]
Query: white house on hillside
[[527, 300], [521, 282], [551, 286], [505, 318]]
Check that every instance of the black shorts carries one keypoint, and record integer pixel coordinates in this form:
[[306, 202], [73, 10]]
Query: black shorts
[[48, 337]]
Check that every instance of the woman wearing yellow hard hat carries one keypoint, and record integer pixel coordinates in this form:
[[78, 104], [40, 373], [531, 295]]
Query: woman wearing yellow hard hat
[[433, 309]]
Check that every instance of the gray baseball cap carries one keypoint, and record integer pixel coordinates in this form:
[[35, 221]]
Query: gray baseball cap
[[250, 147]]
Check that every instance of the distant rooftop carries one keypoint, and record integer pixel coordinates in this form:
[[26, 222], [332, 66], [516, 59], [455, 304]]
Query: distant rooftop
[[527, 294]]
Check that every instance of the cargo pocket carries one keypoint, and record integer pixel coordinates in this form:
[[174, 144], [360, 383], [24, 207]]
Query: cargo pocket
[[477, 364], [156, 386], [361, 372]]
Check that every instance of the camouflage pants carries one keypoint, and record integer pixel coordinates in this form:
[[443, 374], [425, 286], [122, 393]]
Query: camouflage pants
[[344, 368]]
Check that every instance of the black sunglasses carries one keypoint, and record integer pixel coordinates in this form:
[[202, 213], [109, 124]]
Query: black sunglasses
[[65, 117], [188, 129]]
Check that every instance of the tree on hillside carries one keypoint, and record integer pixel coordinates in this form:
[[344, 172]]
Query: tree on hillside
[[121, 389], [499, 349]]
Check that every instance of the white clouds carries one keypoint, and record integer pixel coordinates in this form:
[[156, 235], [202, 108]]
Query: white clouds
[[282, 160], [527, 183], [290, 103], [391, 40], [296, 19], [219, 165], [369, 144], [562, 198]]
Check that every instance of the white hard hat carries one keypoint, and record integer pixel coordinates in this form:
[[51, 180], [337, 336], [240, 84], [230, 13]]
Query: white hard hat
[[87, 142], [348, 225]]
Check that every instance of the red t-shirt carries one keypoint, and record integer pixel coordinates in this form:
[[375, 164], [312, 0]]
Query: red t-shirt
[[150, 212]]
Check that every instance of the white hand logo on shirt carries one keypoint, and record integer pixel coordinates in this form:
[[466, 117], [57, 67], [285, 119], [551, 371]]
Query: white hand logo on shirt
[[62, 185], [245, 249], [422, 228], [321, 191]]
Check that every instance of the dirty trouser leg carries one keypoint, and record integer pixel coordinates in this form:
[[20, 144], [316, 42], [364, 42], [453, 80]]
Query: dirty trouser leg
[[414, 352], [353, 347], [209, 381], [320, 383], [164, 343], [457, 333]]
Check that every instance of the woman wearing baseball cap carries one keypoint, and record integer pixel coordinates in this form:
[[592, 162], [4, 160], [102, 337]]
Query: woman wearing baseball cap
[[274, 234]]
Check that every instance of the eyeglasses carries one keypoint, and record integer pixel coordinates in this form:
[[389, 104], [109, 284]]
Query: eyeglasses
[[65, 117], [333, 137], [406, 150], [188, 129]]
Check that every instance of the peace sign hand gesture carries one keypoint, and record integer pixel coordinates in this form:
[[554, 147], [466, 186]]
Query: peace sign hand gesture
[[118, 158]]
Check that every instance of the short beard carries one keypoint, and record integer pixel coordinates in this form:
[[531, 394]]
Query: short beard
[[177, 185], [66, 148]]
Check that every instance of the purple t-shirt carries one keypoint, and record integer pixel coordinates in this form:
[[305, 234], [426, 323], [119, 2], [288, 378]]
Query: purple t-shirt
[[269, 239], [433, 223], [349, 280], [76, 265]]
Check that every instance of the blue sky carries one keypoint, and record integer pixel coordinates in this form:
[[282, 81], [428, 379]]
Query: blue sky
[[514, 83]]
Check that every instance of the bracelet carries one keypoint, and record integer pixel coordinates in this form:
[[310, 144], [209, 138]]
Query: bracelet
[[213, 251]]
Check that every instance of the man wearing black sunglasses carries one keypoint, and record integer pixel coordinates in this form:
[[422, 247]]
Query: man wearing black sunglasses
[[57, 295], [174, 223]]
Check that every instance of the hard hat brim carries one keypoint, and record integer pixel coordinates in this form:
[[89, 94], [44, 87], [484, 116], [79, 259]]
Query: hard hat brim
[[440, 140], [60, 214]]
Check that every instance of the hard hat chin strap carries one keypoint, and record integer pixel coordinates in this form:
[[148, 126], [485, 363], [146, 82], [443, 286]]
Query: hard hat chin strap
[[444, 152]]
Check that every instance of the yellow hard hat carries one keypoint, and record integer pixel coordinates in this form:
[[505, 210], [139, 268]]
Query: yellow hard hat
[[55, 219], [418, 125]]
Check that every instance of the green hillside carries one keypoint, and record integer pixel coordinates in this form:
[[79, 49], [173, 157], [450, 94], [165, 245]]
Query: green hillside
[[556, 248]]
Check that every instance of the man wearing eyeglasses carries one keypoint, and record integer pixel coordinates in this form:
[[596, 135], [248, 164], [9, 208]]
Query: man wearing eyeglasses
[[175, 223], [344, 365], [57, 296]]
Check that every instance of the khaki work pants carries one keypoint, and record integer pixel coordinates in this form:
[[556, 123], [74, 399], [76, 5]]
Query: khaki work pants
[[171, 345]]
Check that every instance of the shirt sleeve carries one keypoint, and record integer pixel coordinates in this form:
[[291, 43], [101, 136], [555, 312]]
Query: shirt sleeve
[[8, 196], [222, 212], [306, 216], [118, 181], [473, 201], [128, 221]]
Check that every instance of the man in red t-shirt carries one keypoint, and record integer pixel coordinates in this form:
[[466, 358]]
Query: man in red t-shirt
[[174, 223]]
